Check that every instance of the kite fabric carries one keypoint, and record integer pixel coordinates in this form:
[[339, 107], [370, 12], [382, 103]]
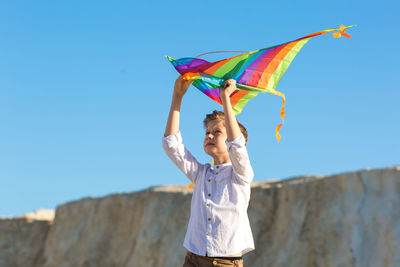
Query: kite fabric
[[255, 71]]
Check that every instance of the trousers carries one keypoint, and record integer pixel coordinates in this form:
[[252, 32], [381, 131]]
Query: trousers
[[194, 260]]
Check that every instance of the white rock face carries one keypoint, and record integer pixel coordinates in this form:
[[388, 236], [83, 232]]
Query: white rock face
[[120, 230], [39, 215], [350, 219]]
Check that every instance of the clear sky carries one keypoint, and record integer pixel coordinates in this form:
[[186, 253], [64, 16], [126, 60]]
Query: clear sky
[[85, 91]]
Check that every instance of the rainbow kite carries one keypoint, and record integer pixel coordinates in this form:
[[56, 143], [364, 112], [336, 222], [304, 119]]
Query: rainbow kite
[[254, 72]]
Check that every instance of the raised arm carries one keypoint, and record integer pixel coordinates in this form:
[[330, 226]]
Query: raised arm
[[232, 127], [172, 141], [180, 88], [236, 146]]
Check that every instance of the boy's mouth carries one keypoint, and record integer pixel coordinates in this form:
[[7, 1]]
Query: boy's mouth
[[209, 144]]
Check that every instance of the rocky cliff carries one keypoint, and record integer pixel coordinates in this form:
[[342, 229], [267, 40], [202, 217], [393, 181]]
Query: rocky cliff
[[350, 219]]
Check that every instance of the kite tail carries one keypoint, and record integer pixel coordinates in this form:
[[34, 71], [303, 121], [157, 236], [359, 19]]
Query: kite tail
[[190, 186], [278, 127]]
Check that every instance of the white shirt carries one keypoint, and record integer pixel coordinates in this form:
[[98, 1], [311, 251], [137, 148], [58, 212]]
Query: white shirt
[[218, 224]]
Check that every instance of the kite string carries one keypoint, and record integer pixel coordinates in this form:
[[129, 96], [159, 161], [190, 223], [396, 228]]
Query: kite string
[[222, 52]]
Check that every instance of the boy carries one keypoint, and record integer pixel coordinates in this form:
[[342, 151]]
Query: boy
[[219, 231]]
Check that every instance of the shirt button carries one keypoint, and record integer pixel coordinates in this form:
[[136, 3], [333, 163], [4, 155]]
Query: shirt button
[[209, 180], [216, 173], [209, 219], [208, 234], [217, 167], [208, 204], [209, 195]]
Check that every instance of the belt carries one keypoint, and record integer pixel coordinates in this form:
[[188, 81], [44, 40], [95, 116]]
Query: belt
[[226, 258], [223, 258]]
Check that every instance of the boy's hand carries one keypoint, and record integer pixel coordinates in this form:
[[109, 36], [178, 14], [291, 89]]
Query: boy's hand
[[228, 87], [181, 86]]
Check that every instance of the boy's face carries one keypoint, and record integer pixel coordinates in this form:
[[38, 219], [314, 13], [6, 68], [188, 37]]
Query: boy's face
[[214, 140]]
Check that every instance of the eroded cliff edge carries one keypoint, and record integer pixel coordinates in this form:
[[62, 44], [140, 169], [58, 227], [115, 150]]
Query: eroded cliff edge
[[349, 219]]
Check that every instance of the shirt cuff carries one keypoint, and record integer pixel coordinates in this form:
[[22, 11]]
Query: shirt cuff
[[172, 139], [237, 142]]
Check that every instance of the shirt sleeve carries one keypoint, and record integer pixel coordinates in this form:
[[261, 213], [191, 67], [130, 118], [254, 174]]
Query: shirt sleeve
[[183, 159], [240, 159]]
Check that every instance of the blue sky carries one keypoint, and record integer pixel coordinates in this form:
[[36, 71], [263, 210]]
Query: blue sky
[[85, 92]]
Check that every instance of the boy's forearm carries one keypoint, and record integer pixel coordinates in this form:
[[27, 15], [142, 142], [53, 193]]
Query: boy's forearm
[[232, 127], [174, 115], [180, 88]]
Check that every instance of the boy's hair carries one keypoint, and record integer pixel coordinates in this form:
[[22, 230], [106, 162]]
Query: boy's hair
[[220, 116]]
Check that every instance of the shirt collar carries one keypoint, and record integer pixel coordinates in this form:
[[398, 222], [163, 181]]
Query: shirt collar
[[221, 166]]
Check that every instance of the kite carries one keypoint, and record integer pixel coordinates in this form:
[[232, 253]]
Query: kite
[[254, 71]]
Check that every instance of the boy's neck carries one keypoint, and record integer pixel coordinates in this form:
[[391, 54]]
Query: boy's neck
[[221, 159]]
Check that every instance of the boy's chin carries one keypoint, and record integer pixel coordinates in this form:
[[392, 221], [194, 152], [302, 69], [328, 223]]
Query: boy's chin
[[210, 151]]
